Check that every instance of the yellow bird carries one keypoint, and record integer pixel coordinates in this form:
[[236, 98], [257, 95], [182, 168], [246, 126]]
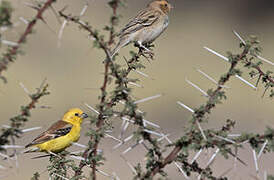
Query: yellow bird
[[60, 135]]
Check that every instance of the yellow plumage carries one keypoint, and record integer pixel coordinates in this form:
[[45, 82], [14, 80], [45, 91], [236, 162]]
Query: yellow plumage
[[61, 134]]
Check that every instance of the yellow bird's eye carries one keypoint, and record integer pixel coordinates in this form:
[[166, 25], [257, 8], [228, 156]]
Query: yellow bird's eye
[[76, 114]]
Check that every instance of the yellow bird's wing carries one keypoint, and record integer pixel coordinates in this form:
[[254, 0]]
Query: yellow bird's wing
[[58, 129]]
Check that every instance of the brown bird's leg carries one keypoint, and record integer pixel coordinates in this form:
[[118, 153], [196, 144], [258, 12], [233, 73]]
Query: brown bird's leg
[[144, 50]]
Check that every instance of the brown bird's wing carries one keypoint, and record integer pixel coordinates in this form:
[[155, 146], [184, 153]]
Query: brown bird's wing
[[145, 18], [60, 128]]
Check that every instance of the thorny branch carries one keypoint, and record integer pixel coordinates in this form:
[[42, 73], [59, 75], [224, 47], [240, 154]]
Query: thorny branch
[[156, 162], [121, 81], [200, 114], [12, 52], [105, 46], [17, 122]]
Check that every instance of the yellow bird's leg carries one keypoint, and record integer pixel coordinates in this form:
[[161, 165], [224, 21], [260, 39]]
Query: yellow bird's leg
[[52, 153]]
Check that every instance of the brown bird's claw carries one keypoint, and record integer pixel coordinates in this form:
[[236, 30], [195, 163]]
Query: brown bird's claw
[[145, 50], [148, 55]]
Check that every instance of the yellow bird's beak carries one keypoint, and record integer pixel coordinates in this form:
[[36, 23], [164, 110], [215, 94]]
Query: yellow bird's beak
[[84, 115]]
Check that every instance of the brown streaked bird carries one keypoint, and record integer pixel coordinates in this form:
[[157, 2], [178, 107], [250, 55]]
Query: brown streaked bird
[[147, 26], [60, 135]]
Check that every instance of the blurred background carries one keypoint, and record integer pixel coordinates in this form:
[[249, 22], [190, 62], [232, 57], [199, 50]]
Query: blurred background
[[74, 73]]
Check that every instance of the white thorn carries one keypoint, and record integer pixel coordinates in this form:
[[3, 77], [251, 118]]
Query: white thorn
[[213, 157], [196, 156], [12, 147], [265, 60], [181, 170], [4, 156], [226, 59], [9, 43], [225, 139], [30, 129], [24, 20], [238, 36], [128, 138], [210, 78], [132, 147], [255, 161], [2, 167], [60, 34], [151, 123], [202, 131], [124, 91], [77, 152], [124, 128], [259, 57], [91, 108], [168, 140], [117, 145], [77, 158], [135, 84], [52, 153], [129, 164], [62, 177], [217, 54], [24, 88], [103, 173], [207, 76], [153, 132], [126, 119], [114, 176], [84, 10], [148, 98], [79, 145], [185, 106], [262, 149], [122, 142], [16, 161], [246, 82], [112, 137], [141, 73], [163, 137], [145, 121], [6, 126], [197, 87], [234, 135]]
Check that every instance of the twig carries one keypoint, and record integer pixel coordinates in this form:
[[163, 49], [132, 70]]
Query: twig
[[12, 52]]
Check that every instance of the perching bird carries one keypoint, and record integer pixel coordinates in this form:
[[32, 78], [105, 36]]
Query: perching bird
[[148, 25], [60, 135]]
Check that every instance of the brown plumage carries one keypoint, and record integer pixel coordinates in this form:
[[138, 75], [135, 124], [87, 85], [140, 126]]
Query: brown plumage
[[148, 25], [60, 128]]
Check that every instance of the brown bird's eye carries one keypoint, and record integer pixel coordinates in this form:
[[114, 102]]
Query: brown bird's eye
[[165, 5], [76, 114]]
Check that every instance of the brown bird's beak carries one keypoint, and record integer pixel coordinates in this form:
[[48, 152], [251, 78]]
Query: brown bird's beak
[[84, 115]]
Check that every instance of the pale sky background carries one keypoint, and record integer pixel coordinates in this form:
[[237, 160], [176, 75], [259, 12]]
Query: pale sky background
[[77, 66]]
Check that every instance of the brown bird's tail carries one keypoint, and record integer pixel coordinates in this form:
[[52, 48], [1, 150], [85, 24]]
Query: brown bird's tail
[[123, 42]]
